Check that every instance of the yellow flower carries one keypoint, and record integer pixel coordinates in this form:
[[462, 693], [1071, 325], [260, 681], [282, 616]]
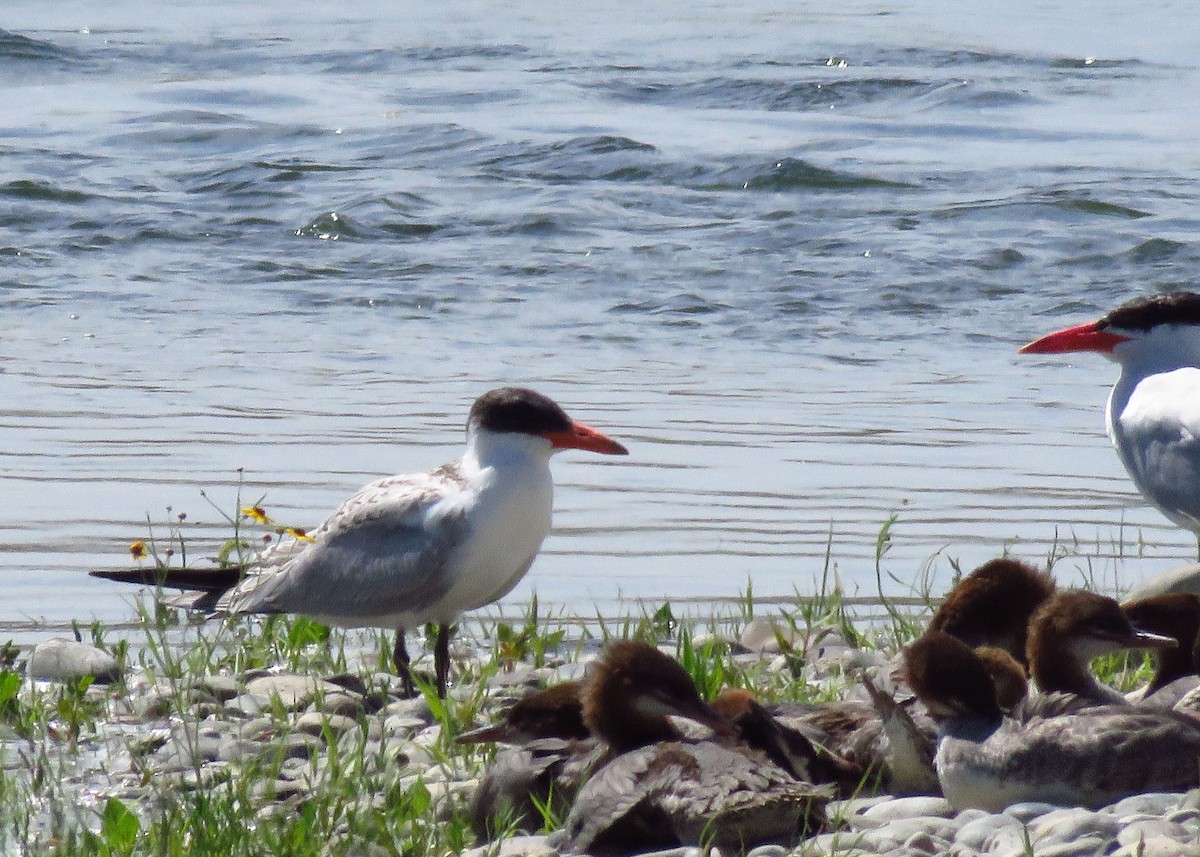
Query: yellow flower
[[299, 533], [138, 550], [257, 513]]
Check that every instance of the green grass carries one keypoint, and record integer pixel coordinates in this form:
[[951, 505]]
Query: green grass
[[360, 798]]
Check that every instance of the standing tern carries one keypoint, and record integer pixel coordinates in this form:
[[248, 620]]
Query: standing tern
[[426, 547], [1154, 410]]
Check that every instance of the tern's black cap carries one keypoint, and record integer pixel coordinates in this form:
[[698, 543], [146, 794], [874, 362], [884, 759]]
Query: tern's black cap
[[517, 409]]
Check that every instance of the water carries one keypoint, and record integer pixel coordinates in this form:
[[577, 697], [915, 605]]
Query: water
[[786, 255]]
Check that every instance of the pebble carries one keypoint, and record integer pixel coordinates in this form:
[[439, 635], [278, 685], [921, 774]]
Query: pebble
[[292, 691], [515, 846], [57, 659], [903, 808], [315, 723]]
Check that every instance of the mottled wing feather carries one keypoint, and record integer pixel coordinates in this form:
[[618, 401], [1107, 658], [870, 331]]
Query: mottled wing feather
[[394, 535], [681, 793]]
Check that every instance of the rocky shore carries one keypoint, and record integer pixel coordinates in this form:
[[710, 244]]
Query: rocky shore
[[279, 741]]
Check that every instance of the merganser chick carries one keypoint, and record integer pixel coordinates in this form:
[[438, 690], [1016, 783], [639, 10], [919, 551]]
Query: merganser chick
[[1070, 629], [420, 548], [656, 789], [993, 604], [1176, 615], [907, 754], [552, 712], [1090, 758], [551, 759], [799, 753]]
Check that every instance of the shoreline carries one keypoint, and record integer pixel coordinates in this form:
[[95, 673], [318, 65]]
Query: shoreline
[[253, 725]]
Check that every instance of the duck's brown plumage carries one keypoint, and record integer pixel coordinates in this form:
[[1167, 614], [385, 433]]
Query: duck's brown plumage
[[657, 790], [992, 605]]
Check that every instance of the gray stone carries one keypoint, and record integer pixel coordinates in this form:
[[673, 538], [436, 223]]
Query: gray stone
[[344, 703], [66, 660], [401, 726], [852, 809], [295, 745], [1133, 832], [292, 691], [515, 846], [1188, 818], [1190, 800], [248, 704], [315, 723], [155, 706], [220, 687], [193, 745], [1159, 846], [1084, 846], [925, 843], [906, 807], [981, 834], [1150, 803], [903, 829], [1027, 811], [763, 634], [416, 708], [1067, 825], [278, 790], [768, 851]]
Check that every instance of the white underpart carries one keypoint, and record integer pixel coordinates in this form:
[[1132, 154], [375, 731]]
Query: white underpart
[[1153, 418], [419, 548]]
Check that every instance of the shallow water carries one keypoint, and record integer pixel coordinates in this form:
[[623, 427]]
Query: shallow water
[[787, 256]]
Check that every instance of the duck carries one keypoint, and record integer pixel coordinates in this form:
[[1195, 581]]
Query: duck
[[550, 754], [993, 604], [654, 788], [1071, 628], [988, 608], [1176, 615], [1089, 758], [798, 751], [417, 548]]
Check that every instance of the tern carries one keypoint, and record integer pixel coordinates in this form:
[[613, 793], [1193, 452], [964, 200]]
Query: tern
[[420, 548], [1153, 412]]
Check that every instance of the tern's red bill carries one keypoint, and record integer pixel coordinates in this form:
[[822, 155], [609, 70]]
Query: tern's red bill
[[580, 436], [1082, 337]]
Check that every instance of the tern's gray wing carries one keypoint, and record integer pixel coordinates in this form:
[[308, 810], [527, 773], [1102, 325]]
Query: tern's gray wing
[[382, 552], [1157, 435]]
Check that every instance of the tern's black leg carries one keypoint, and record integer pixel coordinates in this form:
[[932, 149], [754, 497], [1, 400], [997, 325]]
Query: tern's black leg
[[441, 659], [401, 661]]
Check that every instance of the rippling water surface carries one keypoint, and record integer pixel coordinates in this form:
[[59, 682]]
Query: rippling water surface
[[787, 255]]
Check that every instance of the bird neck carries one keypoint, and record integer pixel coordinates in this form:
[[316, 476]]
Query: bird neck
[[1056, 665], [505, 451]]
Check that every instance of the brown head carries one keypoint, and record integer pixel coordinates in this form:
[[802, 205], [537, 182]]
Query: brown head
[[1073, 627], [949, 678], [632, 689], [1175, 615], [992, 605], [554, 712]]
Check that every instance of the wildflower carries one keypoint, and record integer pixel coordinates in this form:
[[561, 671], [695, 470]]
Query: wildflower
[[138, 550], [257, 513], [296, 533]]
